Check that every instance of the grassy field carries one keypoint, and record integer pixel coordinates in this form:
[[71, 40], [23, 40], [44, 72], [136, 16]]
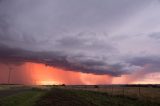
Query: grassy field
[[22, 99], [83, 96], [6, 87], [137, 92], [70, 97], [143, 93]]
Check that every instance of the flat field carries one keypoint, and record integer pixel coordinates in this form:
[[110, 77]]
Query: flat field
[[81, 96], [147, 93]]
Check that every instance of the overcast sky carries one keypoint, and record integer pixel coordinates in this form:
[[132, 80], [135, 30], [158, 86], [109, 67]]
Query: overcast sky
[[112, 37]]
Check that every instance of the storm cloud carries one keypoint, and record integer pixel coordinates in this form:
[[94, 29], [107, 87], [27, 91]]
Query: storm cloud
[[90, 36]]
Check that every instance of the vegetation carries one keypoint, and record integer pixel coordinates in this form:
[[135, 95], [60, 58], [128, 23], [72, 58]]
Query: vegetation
[[70, 97], [146, 93], [63, 85], [95, 95], [96, 86], [22, 99]]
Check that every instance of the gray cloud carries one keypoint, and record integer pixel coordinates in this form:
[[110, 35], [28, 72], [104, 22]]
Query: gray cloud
[[155, 35], [100, 37], [152, 63], [11, 56]]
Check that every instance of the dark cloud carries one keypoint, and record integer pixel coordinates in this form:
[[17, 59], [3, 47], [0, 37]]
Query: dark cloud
[[72, 34], [141, 61], [55, 59], [155, 35], [150, 63]]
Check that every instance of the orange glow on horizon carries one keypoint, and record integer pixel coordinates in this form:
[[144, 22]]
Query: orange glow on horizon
[[43, 75], [48, 83], [40, 74]]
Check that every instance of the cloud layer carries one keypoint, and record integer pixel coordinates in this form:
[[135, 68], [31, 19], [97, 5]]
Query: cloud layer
[[100, 37]]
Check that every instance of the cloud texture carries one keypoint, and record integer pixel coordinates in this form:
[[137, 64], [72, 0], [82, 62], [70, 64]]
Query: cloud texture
[[100, 37]]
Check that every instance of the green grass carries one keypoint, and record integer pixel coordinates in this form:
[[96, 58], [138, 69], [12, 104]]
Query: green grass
[[145, 94], [68, 97], [7, 87], [72, 97], [27, 98], [4, 87]]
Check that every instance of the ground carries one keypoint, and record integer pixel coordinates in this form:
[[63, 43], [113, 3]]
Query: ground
[[77, 96]]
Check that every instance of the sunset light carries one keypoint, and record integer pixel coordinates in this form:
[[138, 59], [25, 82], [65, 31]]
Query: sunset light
[[40, 74], [48, 83], [53, 52]]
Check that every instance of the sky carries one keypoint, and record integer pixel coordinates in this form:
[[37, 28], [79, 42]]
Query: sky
[[80, 41]]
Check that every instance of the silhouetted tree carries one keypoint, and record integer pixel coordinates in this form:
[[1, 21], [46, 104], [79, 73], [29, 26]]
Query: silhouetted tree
[[63, 85], [96, 86]]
